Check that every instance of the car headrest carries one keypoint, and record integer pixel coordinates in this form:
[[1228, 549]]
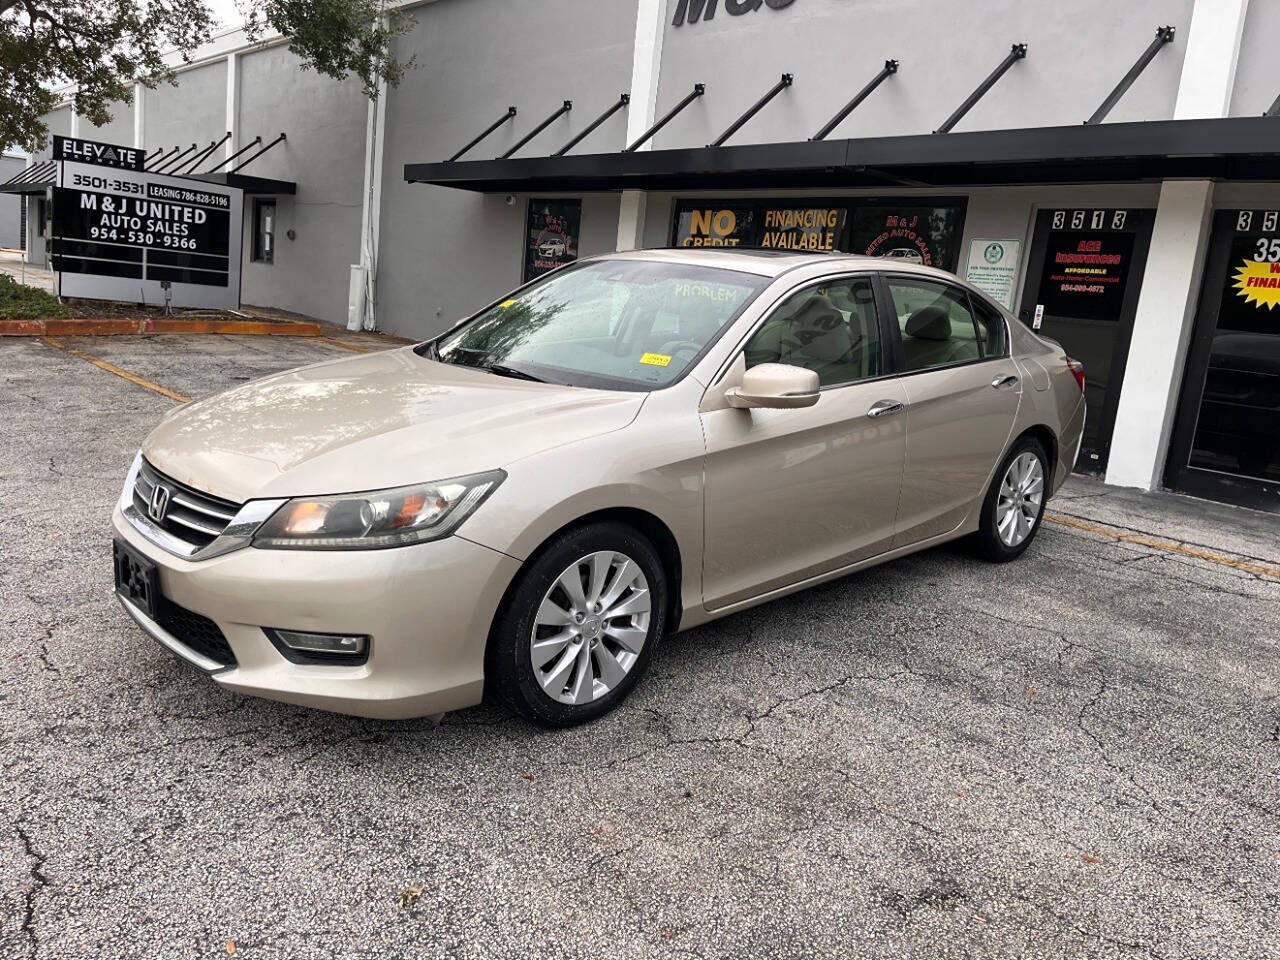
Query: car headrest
[[930, 323], [820, 331]]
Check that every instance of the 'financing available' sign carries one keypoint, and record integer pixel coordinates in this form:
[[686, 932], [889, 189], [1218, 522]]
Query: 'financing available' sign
[[119, 233]]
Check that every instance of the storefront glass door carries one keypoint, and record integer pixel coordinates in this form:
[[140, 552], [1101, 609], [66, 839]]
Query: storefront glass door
[[1226, 441], [1083, 278]]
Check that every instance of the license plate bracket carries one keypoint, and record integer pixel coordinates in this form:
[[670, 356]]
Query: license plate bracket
[[137, 579]]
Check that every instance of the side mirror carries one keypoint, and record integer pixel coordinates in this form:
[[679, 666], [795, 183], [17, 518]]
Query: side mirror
[[775, 386]]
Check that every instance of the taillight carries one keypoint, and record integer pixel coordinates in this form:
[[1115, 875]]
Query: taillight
[[1077, 371]]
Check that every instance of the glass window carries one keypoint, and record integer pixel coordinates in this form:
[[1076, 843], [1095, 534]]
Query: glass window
[[264, 231], [992, 333], [936, 323], [830, 329], [616, 324]]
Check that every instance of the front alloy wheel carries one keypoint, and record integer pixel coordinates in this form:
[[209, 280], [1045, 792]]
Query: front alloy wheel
[[578, 628], [590, 628]]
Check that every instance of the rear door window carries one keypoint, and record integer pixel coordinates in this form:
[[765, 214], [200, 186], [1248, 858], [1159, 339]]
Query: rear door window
[[936, 323]]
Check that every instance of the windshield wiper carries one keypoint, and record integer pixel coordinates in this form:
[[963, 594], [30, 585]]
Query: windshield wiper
[[505, 371]]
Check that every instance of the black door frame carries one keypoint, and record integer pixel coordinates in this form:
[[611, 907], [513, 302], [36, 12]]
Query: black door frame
[[1139, 221], [1178, 473]]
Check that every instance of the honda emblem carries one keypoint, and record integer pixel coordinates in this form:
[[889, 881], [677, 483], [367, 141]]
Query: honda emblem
[[159, 504]]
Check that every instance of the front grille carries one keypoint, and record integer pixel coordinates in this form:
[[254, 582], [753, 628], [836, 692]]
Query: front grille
[[196, 631], [193, 517]]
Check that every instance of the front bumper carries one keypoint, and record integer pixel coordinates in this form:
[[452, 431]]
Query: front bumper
[[428, 608]]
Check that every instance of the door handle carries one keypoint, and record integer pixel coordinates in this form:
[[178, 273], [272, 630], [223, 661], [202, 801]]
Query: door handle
[[1000, 382], [886, 408]]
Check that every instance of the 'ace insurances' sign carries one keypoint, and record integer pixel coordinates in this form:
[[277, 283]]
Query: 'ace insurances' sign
[[119, 234]]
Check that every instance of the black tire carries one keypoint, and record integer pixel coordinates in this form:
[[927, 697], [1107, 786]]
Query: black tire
[[986, 542], [509, 670]]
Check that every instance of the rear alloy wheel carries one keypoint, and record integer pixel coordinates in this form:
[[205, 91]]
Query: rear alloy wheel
[[1014, 504], [580, 627]]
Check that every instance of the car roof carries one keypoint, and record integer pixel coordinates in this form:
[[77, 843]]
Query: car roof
[[770, 263]]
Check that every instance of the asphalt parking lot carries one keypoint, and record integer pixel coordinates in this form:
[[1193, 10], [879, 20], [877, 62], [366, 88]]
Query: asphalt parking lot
[[1077, 755]]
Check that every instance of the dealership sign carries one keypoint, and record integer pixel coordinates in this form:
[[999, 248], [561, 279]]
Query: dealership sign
[[695, 10], [126, 234], [922, 230]]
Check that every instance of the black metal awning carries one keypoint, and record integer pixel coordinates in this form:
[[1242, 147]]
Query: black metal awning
[[1236, 148], [36, 179], [32, 179], [250, 185]]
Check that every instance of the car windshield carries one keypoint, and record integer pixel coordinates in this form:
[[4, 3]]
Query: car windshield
[[616, 324]]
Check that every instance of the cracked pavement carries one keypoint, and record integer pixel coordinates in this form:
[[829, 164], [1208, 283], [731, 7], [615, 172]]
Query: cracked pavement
[[1075, 755]]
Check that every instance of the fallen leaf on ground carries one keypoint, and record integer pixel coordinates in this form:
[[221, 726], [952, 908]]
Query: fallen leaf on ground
[[1089, 859], [409, 895], [231, 946]]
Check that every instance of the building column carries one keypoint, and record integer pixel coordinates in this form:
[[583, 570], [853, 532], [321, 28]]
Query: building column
[[1161, 332], [233, 105], [646, 60], [139, 117], [362, 305], [1171, 283]]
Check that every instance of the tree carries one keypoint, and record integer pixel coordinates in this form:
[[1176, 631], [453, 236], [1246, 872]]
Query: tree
[[104, 47]]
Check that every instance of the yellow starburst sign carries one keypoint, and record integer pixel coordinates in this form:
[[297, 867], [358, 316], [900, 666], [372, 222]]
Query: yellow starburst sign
[[1259, 282]]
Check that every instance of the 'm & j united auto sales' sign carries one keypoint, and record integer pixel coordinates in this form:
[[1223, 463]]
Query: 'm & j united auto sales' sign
[[119, 232]]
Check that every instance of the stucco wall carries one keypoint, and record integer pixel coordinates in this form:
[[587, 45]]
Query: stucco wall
[[324, 123], [1076, 54], [1258, 69], [119, 129], [194, 111], [11, 203], [444, 252]]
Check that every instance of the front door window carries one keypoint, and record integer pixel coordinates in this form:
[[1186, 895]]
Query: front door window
[[829, 328]]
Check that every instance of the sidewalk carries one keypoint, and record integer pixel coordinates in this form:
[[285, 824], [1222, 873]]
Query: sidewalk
[[1219, 527], [39, 277]]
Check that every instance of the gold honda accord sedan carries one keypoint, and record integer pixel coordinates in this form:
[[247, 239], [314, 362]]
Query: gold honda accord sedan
[[635, 444]]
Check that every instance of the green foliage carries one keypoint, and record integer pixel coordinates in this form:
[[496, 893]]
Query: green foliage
[[336, 37], [104, 47], [20, 302]]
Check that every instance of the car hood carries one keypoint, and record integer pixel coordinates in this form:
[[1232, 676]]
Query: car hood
[[380, 420]]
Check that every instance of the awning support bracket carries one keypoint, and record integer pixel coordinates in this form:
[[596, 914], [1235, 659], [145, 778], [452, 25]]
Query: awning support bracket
[[1163, 35], [242, 165], [755, 108], [511, 112], [153, 164], [165, 166], [203, 155], [1017, 52], [889, 69], [698, 90], [247, 147], [564, 108], [622, 101]]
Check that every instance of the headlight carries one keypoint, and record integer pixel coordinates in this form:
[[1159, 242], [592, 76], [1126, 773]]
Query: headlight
[[380, 518]]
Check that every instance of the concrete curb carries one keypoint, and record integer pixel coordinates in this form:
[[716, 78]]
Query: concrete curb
[[107, 326]]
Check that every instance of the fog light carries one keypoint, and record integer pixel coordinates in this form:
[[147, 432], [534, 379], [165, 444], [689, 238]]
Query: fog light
[[302, 646]]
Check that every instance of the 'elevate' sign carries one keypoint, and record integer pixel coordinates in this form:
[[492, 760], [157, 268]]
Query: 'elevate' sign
[[76, 150]]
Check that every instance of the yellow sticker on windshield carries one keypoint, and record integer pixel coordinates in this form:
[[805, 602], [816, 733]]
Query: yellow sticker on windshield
[[507, 303], [656, 359]]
